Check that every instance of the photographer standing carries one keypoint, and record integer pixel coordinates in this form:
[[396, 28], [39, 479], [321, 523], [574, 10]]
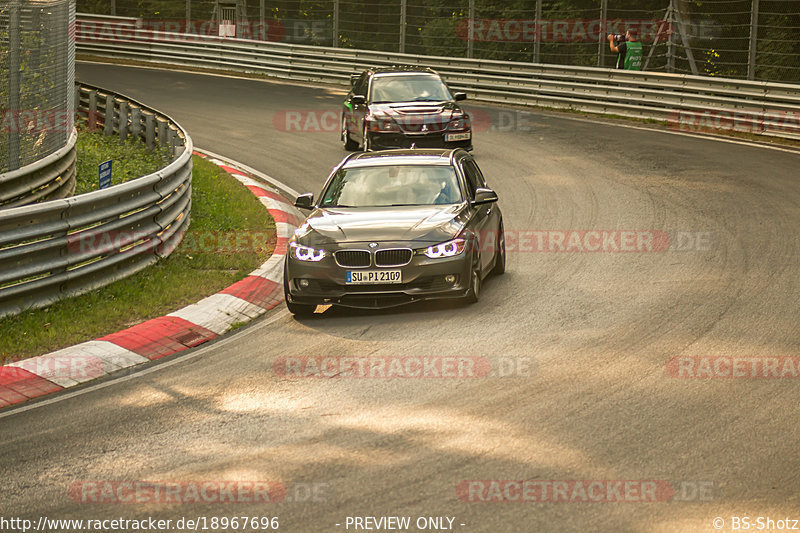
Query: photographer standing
[[629, 49]]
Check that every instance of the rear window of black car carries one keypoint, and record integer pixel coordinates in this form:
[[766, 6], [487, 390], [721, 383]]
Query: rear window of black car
[[394, 185]]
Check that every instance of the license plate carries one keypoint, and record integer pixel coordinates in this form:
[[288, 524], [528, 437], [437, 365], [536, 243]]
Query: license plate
[[457, 136], [355, 277]]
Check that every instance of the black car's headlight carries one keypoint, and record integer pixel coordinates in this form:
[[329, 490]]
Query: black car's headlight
[[306, 253], [381, 122], [460, 122], [446, 249]]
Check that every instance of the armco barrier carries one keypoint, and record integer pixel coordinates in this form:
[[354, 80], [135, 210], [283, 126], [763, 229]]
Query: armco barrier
[[757, 107], [69, 246], [49, 178]]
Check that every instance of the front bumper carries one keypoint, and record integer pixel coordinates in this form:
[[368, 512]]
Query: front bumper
[[422, 279], [380, 141]]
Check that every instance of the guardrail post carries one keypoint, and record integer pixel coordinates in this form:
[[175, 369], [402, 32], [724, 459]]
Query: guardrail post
[[123, 120], [162, 132], [136, 123], [92, 110], [177, 145], [109, 118], [149, 130], [76, 98], [751, 56], [171, 141]]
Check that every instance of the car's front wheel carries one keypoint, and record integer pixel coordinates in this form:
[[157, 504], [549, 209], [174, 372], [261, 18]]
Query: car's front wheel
[[349, 144], [365, 144]]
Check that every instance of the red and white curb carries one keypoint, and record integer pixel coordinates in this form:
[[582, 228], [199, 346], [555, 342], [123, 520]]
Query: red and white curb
[[183, 329]]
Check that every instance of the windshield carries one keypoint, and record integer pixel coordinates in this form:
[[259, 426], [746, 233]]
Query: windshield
[[409, 88], [383, 186]]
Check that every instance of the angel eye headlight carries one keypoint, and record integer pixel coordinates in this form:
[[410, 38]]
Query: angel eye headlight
[[446, 249], [306, 253]]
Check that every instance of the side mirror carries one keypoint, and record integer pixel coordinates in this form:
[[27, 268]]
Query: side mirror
[[358, 99], [354, 79], [305, 201], [484, 196], [459, 96]]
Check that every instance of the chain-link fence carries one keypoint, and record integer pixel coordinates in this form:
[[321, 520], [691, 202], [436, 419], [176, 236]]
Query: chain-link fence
[[37, 58], [755, 39]]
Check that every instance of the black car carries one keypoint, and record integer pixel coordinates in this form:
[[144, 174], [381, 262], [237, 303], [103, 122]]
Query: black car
[[393, 227], [403, 107]]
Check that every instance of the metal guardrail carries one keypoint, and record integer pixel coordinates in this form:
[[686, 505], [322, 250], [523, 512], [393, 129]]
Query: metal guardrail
[[50, 178], [757, 107], [66, 247]]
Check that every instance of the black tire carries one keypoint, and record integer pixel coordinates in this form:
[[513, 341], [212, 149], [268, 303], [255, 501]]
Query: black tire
[[295, 308], [349, 144], [500, 256], [365, 146]]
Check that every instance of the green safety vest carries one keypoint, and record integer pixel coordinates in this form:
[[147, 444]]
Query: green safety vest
[[633, 56]]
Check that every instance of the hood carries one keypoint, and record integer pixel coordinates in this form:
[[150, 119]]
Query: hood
[[419, 117], [426, 224]]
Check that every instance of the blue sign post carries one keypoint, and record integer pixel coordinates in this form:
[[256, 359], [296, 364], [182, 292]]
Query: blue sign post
[[104, 174]]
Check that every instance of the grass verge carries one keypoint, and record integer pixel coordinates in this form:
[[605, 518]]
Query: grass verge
[[231, 234], [131, 159]]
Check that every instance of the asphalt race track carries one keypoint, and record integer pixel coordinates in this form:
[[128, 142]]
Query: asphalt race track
[[584, 340]]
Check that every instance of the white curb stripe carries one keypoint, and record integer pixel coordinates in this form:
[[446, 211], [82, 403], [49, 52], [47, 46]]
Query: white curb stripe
[[272, 269], [73, 365], [285, 230], [249, 182], [219, 312], [276, 205]]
